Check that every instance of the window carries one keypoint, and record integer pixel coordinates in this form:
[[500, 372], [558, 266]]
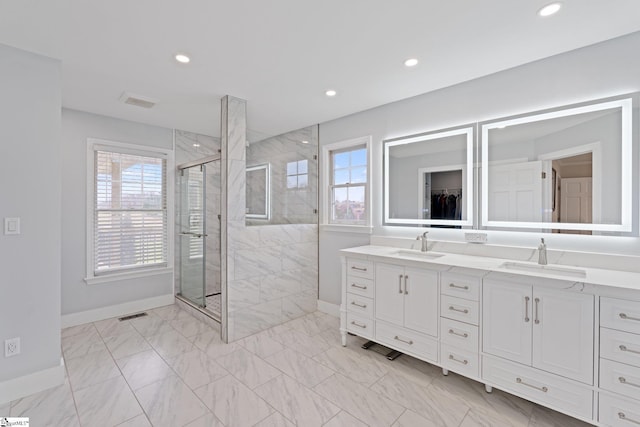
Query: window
[[297, 174], [348, 188], [128, 216]]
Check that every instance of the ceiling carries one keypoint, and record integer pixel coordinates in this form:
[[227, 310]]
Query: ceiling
[[282, 55]]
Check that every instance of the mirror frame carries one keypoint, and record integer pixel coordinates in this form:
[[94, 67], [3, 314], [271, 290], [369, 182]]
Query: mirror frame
[[626, 105], [267, 191], [468, 194]]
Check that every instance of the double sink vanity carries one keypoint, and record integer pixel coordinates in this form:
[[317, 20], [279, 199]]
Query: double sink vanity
[[566, 337]]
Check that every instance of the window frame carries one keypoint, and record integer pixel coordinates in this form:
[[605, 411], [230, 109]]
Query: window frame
[[328, 151], [94, 145]]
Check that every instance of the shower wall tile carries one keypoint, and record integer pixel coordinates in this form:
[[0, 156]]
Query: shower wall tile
[[264, 260], [299, 256]]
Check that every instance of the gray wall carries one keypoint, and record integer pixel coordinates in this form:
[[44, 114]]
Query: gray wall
[[599, 71], [78, 296], [30, 189]]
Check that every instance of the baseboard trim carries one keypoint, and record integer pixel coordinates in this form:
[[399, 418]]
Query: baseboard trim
[[74, 319], [25, 385], [329, 308]]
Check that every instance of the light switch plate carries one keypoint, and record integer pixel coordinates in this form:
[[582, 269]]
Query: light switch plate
[[12, 226]]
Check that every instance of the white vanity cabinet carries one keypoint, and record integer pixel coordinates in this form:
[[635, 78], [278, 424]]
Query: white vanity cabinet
[[545, 328]]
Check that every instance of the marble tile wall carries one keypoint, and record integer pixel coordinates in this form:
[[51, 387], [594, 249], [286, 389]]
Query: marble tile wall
[[189, 147], [271, 271]]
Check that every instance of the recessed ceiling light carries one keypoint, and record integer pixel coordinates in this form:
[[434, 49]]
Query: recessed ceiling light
[[550, 9], [196, 145], [305, 142], [411, 62], [331, 92], [182, 58]]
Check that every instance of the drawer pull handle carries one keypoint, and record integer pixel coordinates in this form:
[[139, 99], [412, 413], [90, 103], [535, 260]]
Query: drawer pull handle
[[464, 362], [623, 380], [625, 317], [400, 283], [622, 416], [359, 325], [355, 285], [624, 348], [452, 332], [543, 389], [537, 321], [410, 342], [353, 267], [453, 285], [452, 308], [358, 305]]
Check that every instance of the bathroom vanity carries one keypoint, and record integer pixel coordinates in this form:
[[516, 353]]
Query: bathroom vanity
[[562, 336]]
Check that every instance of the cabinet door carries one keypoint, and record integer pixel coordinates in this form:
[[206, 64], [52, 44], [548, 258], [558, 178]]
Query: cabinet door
[[506, 317], [421, 301], [390, 293], [563, 333]]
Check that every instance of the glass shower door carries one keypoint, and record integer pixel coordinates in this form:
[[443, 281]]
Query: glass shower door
[[192, 225]]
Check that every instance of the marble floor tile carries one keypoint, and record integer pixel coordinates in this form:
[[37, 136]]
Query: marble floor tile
[[108, 403], [213, 346], [91, 369], [208, 420], [150, 325], [189, 326], [126, 344], [113, 327], [4, 409], [436, 407], [475, 418], [313, 324], [344, 419], [411, 419], [73, 421], [196, 368], [544, 417], [303, 343], [248, 368], [352, 365], [143, 368], [169, 402], [233, 403], [366, 405], [170, 343], [170, 312], [275, 420], [261, 345], [296, 402], [48, 406], [301, 368], [82, 343], [75, 330], [139, 421]]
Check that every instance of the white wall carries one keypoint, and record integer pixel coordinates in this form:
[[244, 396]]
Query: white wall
[[599, 71], [78, 296], [30, 189]]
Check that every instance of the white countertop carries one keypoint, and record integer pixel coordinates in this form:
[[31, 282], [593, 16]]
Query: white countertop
[[593, 276]]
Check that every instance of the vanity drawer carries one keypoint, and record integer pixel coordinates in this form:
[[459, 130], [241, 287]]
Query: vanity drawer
[[620, 378], [458, 334], [360, 305], [539, 386], [360, 286], [459, 309], [360, 268], [620, 314], [618, 412], [464, 362], [620, 346], [461, 286], [360, 325], [407, 341]]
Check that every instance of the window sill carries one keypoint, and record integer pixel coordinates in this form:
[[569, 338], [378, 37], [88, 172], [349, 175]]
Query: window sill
[[347, 228], [116, 277]]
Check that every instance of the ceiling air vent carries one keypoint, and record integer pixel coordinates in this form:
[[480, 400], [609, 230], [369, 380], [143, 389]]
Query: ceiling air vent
[[138, 100]]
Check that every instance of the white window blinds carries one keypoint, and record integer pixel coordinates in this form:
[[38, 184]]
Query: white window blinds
[[130, 212]]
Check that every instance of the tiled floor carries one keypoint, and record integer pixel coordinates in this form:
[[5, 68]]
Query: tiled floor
[[169, 369]]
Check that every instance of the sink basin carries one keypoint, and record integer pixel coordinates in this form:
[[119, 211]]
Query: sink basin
[[548, 269], [408, 253]]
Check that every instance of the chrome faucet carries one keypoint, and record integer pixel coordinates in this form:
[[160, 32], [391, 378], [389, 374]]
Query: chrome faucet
[[542, 253], [423, 238]]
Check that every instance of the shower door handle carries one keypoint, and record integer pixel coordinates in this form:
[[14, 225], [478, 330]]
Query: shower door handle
[[187, 233]]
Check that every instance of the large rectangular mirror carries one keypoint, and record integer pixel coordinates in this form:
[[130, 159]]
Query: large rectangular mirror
[[428, 179], [563, 171]]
